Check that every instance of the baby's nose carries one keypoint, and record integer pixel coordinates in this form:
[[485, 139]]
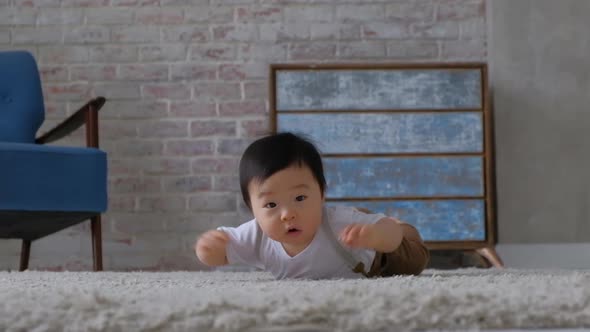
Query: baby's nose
[[288, 214]]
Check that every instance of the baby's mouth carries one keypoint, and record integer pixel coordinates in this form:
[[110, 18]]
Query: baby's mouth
[[293, 230]]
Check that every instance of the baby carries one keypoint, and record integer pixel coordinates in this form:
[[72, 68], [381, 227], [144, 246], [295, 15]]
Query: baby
[[294, 235]]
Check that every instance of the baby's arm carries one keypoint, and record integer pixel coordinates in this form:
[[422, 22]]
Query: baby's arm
[[211, 248], [384, 236], [405, 249]]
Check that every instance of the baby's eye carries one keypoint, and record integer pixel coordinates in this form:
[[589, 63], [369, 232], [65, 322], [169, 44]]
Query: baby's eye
[[301, 198], [270, 205]]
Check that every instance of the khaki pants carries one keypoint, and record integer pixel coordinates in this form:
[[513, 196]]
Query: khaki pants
[[411, 257]]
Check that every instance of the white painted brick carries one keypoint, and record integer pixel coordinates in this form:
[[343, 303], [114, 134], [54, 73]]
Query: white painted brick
[[438, 30], [284, 32], [211, 202], [187, 184], [187, 3], [259, 14], [208, 128], [213, 52], [350, 31], [263, 51], [365, 49], [232, 2], [143, 148], [192, 109], [212, 91], [64, 16], [255, 90], [239, 72], [255, 128], [120, 165], [136, 34], [310, 51], [66, 91], [382, 30], [63, 54], [233, 147], [217, 165], [236, 32], [209, 14], [200, 222], [4, 36], [108, 16], [229, 183], [190, 148], [329, 31], [166, 90], [360, 12], [134, 3], [39, 36], [192, 72], [473, 28], [130, 223], [466, 50], [37, 3], [143, 72], [113, 53], [85, 3], [118, 129], [165, 166], [18, 16], [186, 33], [122, 90], [412, 49], [163, 52], [411, 11], [159, 15], [307, 13], [131, 110], [87, 34], [461, 9], [53, 73], [164, 129], [163, 203]]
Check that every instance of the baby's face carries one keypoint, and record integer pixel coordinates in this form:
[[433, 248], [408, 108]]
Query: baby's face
[[288, 207]]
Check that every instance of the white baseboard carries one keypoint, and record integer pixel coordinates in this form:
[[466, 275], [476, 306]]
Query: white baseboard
[[545, 255]]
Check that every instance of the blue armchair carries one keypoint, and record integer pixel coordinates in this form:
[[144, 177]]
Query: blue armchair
[[46, 188]]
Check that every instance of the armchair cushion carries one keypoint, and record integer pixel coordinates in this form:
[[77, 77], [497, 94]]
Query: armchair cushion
[[50, 178], [21, 98]]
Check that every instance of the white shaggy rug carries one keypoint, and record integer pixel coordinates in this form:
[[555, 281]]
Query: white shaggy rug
[[254, 301]]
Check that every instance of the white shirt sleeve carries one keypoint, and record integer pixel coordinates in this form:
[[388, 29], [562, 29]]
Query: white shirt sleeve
[[345, 215], [241, 248]]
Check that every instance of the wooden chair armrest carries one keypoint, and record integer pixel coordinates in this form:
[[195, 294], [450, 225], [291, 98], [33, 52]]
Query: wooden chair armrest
[[87, 114]]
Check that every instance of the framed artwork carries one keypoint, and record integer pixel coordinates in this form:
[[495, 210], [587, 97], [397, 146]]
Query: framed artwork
[[413, 141]]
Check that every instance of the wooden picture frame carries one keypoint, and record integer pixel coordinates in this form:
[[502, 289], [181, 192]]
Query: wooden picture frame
[[415, 139]]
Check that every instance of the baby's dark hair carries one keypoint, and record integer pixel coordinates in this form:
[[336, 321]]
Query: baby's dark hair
[[273, 153]]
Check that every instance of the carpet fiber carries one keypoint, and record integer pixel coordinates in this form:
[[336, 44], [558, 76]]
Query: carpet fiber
[[254, 301]]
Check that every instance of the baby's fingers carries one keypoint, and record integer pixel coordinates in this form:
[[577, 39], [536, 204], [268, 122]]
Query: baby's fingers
[[350, 235], [221, 236]]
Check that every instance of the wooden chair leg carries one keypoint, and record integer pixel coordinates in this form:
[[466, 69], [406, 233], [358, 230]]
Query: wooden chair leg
[[25, 253], [96, 243], [490, 254]]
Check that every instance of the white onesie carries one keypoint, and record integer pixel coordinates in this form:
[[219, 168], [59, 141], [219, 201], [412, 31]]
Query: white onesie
[[319, 260]]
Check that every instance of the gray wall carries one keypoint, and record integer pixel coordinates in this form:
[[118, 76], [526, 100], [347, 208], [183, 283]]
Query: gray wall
[[539, 54]]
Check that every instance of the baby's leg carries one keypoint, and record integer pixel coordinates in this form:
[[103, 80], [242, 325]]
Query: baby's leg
[[411, 257]]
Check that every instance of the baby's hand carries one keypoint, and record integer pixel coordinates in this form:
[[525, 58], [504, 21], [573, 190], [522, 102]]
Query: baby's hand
[[210, 248], [357, 235]]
